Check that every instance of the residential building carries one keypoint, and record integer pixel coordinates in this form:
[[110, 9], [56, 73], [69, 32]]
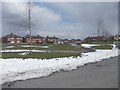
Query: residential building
[[99, 39], [77, 41], [66, 41], [53, 39], [34, 39], [11, 38], [117, 37]]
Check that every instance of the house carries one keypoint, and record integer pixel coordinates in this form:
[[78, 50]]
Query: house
[[99, 39], [11, 38], [117, 37], [53, 39], [66, 41], [34, 39], [77, 41], [91, 39]]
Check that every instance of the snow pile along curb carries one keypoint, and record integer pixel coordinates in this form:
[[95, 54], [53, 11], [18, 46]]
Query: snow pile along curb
[[19, 69]]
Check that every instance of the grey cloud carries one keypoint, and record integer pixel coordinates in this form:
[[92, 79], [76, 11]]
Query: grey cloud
[[66, 20]]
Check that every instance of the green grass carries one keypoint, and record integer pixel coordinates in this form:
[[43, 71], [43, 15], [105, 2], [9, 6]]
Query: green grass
[[66, 47], [52, 47], [107, 42], [103, 46], [44, 55], [74, 51]]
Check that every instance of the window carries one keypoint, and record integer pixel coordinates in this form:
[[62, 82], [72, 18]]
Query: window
[[12, 41]]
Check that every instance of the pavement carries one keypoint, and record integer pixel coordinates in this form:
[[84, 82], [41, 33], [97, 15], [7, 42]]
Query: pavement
[[102, 74]]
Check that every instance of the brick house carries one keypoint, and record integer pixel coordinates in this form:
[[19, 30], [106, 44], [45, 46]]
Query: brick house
[[66, 41], [53, 39], [11, 39], [77, 41], [117, 37], [98, 39], [34, 39], [93, 39]]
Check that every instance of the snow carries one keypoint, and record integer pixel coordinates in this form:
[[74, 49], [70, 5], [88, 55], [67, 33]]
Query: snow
[[114, 46], [23, 50], [9, 47], [89, 45], [24, 53], [22, 69], [35, 46]]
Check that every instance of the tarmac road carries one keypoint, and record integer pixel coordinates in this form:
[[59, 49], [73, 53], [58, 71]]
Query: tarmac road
[[103, 74]]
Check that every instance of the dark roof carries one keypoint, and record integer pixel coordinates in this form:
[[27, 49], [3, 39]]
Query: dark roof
[[52, 37], [95, 37], [78, 39], [65, 39], [117, 35], [28, 36], [11, 35]]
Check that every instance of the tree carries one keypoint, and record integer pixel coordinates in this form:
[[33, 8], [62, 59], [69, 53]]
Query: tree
[[99, 24], [28, 16], [101, 29]]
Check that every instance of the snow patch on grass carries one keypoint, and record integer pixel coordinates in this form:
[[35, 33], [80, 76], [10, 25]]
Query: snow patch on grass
[[22, 50], [22, 69], [89, 45], [24, 53], [35, 46]]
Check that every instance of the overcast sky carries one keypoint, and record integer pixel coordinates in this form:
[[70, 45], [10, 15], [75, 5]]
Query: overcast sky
[[61, 19]]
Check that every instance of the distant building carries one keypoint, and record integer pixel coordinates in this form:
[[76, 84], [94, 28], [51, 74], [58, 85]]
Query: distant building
[[53, 39], [117, 37], [34, 39], [91, 39], [66, 41], [11, 38], [75, 41], [98, 39]]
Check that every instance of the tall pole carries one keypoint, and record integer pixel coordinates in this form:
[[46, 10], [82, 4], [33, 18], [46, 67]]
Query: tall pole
[[29, 26], [103, 32], [99, 25]]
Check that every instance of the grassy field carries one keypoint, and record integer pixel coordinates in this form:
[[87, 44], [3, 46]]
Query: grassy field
[[110, 42], [71, 51], [44, 55], [103, 46], [56, 50], [67, 47]]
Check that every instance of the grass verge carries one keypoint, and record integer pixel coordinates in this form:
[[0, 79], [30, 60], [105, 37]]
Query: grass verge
[[104, 46], [41, 55], [51, 47]]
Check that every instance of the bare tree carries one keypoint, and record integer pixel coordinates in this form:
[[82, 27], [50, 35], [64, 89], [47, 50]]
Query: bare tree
[[99, 24], [101, 29], [27, 19], [28, 16]]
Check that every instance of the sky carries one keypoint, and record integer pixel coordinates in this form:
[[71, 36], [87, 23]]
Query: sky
[[68, 20]]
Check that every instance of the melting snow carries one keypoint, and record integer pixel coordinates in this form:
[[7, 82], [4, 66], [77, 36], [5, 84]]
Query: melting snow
[[35, 46], [23, 51], [89, 45], [22, 69]]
